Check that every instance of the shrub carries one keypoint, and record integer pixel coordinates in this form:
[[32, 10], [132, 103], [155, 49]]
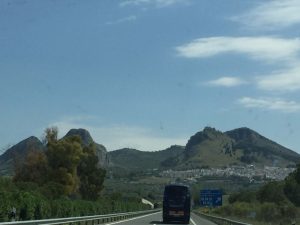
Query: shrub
[[269, 212], [244, 196], [272, 192]]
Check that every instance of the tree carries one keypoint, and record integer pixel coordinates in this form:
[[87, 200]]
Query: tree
[[296, 174], [63, 159], [50, 135], [292, 187], [35, 168], [67, 167], [272, 192], [91, 177], [244, 196]]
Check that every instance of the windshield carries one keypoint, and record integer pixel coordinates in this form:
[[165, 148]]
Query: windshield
[[103, 104]]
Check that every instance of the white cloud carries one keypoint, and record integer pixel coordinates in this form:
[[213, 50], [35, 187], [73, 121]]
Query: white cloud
[[286, 80], [226, 82], [269, 49], [157, 3], [277, 104], [120, 136], [272, 15], [280, 51], [122, 20]]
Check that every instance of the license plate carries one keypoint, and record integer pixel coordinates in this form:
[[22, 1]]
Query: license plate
[[176, 213]]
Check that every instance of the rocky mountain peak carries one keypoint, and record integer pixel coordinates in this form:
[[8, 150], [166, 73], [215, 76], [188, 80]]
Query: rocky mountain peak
[[207, 133], [87, 139], [23, 147], [243, 133], [212, 133], [19, 152], [83, 133]]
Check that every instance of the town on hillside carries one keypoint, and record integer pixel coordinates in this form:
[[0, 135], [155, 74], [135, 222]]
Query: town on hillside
[[251, 172]]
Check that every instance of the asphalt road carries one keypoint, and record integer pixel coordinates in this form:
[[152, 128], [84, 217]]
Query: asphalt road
[[156, 218]]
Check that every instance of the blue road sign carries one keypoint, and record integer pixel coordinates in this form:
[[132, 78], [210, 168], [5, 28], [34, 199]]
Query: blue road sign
[[210, 197]]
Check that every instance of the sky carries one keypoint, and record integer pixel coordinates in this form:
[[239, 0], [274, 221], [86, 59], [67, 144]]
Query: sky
[[148, 74]]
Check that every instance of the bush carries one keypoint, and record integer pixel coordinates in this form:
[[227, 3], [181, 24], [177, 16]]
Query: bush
[[269, 212], [33, 206], [242, 209], [266, 212], [244, 196], [292, 190], [4, 206], [272, 192]]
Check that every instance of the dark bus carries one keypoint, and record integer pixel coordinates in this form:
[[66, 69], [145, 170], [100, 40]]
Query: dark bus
[[176, 204]]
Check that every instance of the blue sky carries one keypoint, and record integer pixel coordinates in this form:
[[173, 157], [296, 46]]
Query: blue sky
[[147, 74]]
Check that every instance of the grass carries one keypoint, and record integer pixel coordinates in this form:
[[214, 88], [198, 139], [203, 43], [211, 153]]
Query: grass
[[155, 180], [253, 221]]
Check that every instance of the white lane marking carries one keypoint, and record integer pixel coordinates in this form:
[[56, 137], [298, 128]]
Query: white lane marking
[[135, 218], [193, 222]]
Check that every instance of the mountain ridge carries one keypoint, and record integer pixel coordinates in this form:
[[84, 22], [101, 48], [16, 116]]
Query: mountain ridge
[[207, 148], [237, 146], [20, 150], [127, 158], [87, 139]]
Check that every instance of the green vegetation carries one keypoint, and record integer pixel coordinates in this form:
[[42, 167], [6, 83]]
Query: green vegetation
[[31, 203], [66, 168], [63, 177], [62, 181], [208, 148], [132, 159], [275, 202], [15, 155], [214, 148], [256, 147]]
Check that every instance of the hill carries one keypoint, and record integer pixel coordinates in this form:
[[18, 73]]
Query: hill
[[210, 148], [132, 159], [213, 148], [17, 153], [87, 139], [207, 148], [255, 146]]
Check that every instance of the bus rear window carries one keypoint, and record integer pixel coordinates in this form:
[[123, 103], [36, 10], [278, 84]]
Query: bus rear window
[[175, 191]]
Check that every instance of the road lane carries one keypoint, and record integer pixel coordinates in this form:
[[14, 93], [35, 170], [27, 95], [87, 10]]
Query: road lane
[[200, 221], [156, 218], [146, 219]]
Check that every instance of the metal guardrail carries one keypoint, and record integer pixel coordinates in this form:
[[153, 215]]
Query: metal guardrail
[[84, 220], [220, 220]]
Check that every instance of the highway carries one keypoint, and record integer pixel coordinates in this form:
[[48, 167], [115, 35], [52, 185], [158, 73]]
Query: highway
[[156, 218]]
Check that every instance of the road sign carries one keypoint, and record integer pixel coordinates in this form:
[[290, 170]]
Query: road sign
[[210, 197]]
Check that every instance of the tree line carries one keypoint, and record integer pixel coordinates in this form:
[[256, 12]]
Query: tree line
[[65, 168], [64, 180], [275, 201], [31, 204]]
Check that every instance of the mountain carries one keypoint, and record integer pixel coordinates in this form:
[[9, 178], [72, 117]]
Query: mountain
[[206, 148], [18, 153], [87, 139], [210, 148], [255, 147], [132, 159], [213, 148]]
